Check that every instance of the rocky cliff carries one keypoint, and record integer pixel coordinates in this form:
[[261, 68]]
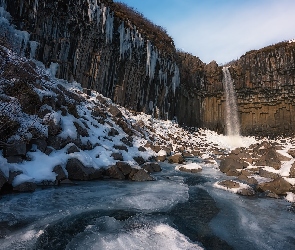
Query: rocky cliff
[[111, 48], [264, 82]]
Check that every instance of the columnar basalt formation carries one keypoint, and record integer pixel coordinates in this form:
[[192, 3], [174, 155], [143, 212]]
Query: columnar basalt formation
[[114, 50], [94, 43]]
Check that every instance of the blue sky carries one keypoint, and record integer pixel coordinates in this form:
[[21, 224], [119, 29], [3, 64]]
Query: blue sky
[[221, 30]]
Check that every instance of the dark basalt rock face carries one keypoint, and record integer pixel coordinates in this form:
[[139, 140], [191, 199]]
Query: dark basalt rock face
[[117, 53]]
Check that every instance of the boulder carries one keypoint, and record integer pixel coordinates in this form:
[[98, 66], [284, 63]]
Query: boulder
[[291, 152], [142, 149], [151, 167], [229, 184], [40, 143], [141, 175], [121, 147], [124, 167], [60, 173], [139, 160], [228, 164], [248, 180], [266, 174], [183, 169], [113, 132], [77, 171], [3, 179], [292, 171], [115, 173], [14, 159], [18, 148], [278, 186], [115, 111], [25, 187], [161, 158], [82, 131], [246, 191], [117, 156], [177, 158], [270, 158], [73, 149], [127, 141]]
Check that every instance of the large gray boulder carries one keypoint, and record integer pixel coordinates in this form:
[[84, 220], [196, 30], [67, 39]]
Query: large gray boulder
[[278, 186], [228, 164], [151, 167], [141, 175]]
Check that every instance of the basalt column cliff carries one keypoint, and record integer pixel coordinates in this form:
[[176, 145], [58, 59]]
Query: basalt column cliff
[[95, 43], [111, 48]]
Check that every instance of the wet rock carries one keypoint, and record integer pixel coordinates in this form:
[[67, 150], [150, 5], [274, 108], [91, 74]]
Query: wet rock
[[270, 158], [183, 169], [161, 158], [77, 171], [246, 191], [124, 167], [248, 180], [141, 175], [66, 182], [48, 150], [60, 173], [115, 173], [270, 194], [25, 187], [233, 172], [14, 159], [177, 158], [117, 156], [278, 186], [230, 164], [151, 167], [229, 184]]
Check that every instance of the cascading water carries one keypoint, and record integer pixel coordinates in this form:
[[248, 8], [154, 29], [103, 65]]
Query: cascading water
[[231, 118]]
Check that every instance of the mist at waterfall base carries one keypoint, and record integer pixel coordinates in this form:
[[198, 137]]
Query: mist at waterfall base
[[233, 135]]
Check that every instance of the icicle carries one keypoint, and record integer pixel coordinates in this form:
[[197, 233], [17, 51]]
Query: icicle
[[104, 9], [33, 46], [21, 7], [152, 57], [35, 8], [109, 27], [175, 78]]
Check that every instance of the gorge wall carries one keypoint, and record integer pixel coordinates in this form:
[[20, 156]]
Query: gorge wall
[[110, 48]]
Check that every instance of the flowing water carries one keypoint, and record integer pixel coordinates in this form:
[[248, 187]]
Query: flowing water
[[231, 110], [177, 211]]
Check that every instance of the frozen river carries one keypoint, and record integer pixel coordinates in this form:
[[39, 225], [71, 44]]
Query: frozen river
[[177, 211]]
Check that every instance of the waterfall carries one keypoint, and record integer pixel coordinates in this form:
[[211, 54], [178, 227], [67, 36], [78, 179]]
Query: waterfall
[[231, 118]]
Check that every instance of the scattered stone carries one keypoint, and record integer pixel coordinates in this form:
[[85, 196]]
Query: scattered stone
[[48, 150], [77, 171], [139, 160], [3, 179], [115, 173], [18, 148], [121, 147], [40, 143], [115, 111], [25, 187], [142, 149], [229, 184], [161, 158], [60, 173], [187, 170], [246, 179], [246, 191], [177, 158], [141, 175], [127, 141], [230, 164], [113, 132], [292, 171], [292, 152], [278, 186], [124, 167], [152, 167], [117, 156], [80, 130], [267, 174], [73, 149], [187, 155]]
